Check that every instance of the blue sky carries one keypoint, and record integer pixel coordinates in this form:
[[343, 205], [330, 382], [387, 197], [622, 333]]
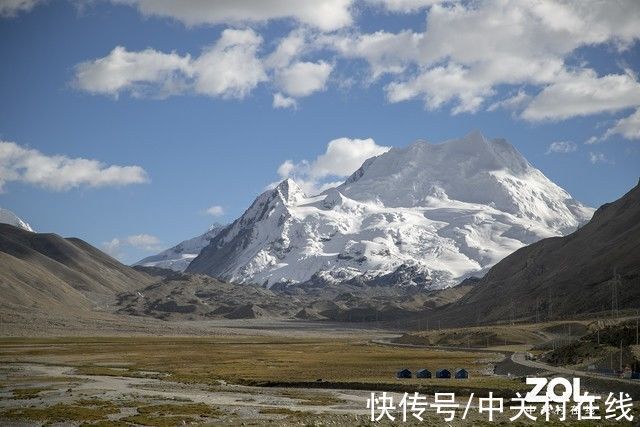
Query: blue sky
[[201, 103]]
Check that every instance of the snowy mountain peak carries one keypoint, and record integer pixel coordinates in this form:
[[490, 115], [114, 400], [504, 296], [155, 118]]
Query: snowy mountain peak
[[444, 211], [475, 136], [471, 169], [8, 217], [215, 227], [289, 191]]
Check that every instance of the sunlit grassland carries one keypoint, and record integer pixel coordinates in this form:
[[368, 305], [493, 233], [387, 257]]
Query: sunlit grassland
[[255, 361]]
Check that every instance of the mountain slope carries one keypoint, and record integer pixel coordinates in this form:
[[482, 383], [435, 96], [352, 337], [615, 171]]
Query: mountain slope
[[8, 217], [49, 273], [179, 256], [444, 211], [563, 275]]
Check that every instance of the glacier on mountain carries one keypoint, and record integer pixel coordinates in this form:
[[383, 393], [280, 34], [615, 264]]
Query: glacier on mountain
[[448, 211], [178, 257]]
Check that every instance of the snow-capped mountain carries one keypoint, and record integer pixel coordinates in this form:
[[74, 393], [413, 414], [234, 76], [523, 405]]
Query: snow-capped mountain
[[8, 217], [442, 211], [178, 257]]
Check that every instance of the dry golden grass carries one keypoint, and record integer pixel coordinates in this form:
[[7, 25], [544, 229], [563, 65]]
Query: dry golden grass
[[58, 413], [95, 410], [253, 360], [158, 420], [312, 398], [26, 380], [198, 409], [28, 393], [507, 337], [210, 359], [514, 337]]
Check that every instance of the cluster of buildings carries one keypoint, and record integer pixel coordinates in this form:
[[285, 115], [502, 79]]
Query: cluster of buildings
[[458, 373]]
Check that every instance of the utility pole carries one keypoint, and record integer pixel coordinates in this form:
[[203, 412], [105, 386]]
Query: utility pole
[[637, 342], [620, 355], [611, 361], [614, 293], [511, 311]]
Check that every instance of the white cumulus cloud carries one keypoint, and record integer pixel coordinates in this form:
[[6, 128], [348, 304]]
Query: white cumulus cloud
[[385, 52], [136, 72], [470, 49], [326, 15], [465, 58], [583, 94], [405, 6], [597, 157], [11, 8], [282, 101], [144, 242], [215, 210], [289, 47], [441, 85], [628, 127], [59, 173], [229, 69], [342, 157], [304, 78], [513, 103], [562, 147]]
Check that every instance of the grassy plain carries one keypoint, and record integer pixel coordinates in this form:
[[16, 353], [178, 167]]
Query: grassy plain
[[272, 379], [249, 360], [230, 379]]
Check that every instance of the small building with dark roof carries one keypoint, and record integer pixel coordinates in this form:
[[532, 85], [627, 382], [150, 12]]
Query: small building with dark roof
[[423, 373], [403, 373], [461, 373], [443, 373]]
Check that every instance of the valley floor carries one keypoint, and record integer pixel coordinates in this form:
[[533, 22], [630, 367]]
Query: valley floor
[[241, 372]]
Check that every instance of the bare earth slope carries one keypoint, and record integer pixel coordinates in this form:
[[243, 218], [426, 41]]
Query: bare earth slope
[[48, 273]]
